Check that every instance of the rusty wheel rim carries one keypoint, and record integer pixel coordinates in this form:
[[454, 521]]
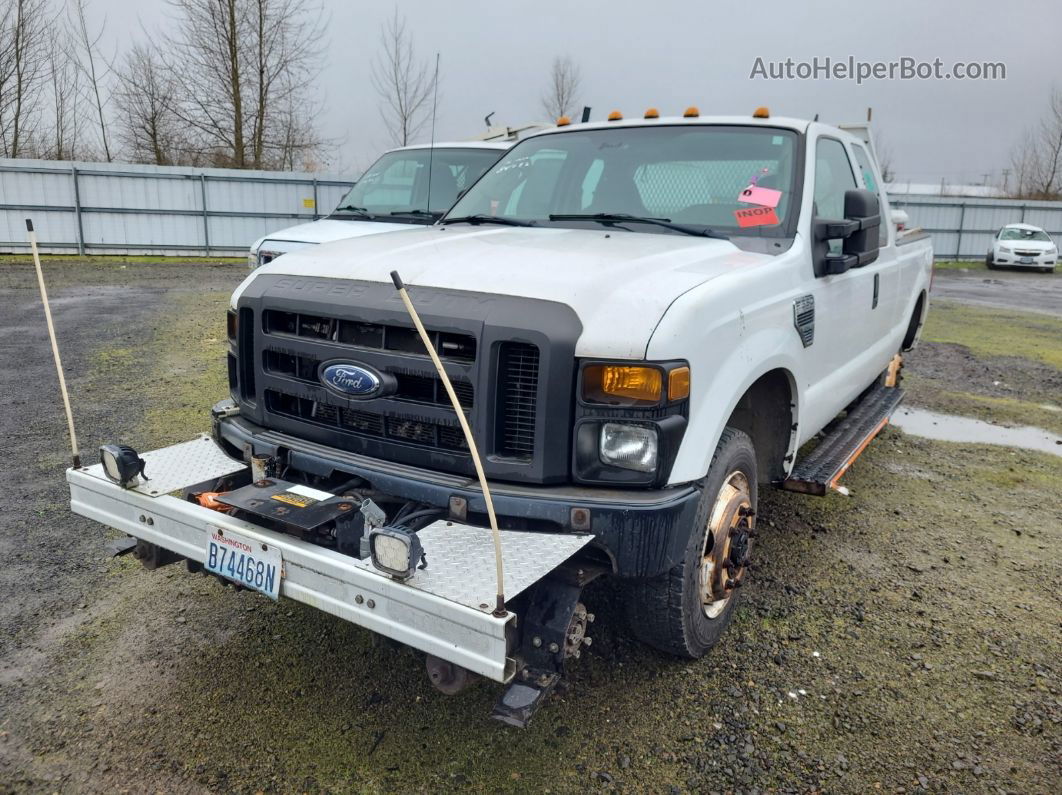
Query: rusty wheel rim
[[724, 556]]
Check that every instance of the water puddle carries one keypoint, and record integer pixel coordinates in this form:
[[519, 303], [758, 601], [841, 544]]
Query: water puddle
[[950, 428]]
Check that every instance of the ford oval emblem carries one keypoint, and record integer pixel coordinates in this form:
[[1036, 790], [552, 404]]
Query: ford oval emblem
[[351, 379]]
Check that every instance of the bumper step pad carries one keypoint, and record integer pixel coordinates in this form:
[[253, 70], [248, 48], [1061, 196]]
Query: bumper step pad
[[819, 472]]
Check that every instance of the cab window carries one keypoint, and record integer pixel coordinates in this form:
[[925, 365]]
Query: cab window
[[870, 182], [833, 176]]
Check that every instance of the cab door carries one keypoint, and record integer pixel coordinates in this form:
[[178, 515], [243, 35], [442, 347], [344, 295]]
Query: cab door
[[847, 323], [885, 310]]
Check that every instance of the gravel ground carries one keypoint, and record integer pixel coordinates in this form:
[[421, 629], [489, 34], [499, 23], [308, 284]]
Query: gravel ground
[[1024, 290], [904, 639]]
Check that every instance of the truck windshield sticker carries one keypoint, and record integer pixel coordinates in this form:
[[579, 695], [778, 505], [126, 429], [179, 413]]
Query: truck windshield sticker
[[756, 216], [765, 197]]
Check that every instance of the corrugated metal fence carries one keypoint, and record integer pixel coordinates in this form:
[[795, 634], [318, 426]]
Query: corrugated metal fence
[[109, 208], [962, 228]]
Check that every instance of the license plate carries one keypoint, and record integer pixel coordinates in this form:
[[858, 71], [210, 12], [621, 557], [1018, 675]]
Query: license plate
[[1026, 260], [241, 559]]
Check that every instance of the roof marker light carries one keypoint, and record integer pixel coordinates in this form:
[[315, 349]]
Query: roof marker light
[[761, 113], [563, 121], [615, 116], [691, 112], [652, 113]]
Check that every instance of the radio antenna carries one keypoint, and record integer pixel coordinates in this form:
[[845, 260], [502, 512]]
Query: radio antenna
[[431, 151], [499, 607], [55, 345]]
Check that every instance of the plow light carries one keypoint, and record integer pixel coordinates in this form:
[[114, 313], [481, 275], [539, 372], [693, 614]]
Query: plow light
[[395, 552], [122, 464]]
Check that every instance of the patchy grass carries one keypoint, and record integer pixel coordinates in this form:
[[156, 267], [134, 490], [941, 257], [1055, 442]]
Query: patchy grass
[[118, 259], [996, 332], [959, 265], [999, 410]]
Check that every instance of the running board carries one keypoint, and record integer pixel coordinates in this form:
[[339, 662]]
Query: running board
[[819, 472]]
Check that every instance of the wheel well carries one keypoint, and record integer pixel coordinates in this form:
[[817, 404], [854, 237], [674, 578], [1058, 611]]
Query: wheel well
[[915, 323], [765, 413]]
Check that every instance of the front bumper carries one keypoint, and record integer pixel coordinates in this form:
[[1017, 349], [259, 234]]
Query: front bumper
[[445, 611], [644, 533], [1025, 261]]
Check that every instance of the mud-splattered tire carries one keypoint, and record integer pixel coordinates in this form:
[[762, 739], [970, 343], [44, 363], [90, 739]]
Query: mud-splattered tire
[[671, 612]]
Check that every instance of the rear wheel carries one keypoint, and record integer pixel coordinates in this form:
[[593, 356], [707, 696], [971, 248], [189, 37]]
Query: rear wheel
[[1047, 270], [685, 611]]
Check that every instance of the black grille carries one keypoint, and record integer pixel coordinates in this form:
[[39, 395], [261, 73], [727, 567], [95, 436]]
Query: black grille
[[411, 387], [367, 423], [375, 336], [517, 399]]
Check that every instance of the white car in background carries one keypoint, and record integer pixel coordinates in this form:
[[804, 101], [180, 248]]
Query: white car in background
[[392, 194], [1023, 246]]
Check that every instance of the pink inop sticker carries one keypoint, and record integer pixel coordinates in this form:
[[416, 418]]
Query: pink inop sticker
[[764, 197]]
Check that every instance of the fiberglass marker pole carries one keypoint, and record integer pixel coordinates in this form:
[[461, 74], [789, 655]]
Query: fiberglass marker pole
[[55, 346], [499, 608]]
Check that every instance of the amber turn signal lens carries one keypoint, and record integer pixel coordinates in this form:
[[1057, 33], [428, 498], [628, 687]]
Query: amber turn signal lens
[[678, 383], [622, 384]]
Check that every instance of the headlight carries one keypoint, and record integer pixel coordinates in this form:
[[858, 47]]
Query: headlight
[[1005, 250], [252, 260], [395, 552], [1052, 250], [629, 446]]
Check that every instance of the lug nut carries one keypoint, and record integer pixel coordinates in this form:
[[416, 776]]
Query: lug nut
[[553, 648], [590, 618], [536, 642]]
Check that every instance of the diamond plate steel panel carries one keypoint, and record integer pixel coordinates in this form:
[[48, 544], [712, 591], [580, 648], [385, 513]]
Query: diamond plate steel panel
[[461, 561], [173, 468]]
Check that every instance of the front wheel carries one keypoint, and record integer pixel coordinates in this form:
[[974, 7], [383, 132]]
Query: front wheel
[[685, 611]]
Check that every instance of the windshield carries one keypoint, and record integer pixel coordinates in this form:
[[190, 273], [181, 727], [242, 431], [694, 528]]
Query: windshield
[[693, 176], [1024, 234], [398, 183]]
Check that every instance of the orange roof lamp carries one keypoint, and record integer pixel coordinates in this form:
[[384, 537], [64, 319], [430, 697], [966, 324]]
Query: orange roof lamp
[[563, 121], [615, 116], [761, 113], [652, 113], [691, 112]]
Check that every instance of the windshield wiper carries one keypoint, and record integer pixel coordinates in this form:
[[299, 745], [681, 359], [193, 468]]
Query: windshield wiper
[[618, 218], [360, 212], [487, 219], [417, 213]]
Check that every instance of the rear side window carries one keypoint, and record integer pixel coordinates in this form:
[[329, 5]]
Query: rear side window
[[870, 182], [833, 176]]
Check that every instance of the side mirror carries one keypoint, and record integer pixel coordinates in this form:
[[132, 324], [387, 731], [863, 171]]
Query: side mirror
[[858, 230]]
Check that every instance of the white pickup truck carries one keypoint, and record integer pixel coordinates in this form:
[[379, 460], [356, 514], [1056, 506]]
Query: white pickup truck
[[644, 321], [405, 188]]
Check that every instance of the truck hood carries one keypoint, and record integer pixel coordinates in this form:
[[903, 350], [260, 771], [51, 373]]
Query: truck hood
[[328, 229], [618, 283]]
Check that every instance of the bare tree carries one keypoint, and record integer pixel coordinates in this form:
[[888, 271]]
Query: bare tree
[[405, 83], [84, 52], [243, 66], [145, 95], [565, 81], [1036, 160], [23, 72], [64, 77]]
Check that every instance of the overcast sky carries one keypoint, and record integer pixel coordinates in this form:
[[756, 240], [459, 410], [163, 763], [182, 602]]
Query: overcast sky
[[495, 56]]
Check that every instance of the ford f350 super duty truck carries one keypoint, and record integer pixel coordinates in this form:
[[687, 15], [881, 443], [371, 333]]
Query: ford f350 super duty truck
[[643, 322]]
